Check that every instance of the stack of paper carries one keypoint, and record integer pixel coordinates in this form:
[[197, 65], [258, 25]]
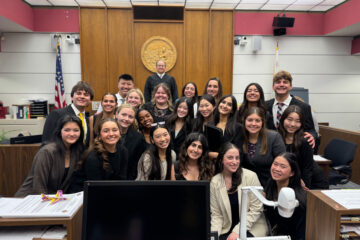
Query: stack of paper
[[33, 206]]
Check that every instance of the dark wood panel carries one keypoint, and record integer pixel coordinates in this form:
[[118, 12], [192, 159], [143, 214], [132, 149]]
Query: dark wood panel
[[15, 165], [221, 48], [93, 29], [174, 32], [197, 48], [328, 133], [120, 45]]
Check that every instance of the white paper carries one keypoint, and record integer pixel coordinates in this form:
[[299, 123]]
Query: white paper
[[33, 206], [319, 158], [55, 232], [21, 233], [349, 199]]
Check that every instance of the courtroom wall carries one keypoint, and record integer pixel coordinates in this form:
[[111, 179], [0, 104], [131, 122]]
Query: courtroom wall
[[323, 65]]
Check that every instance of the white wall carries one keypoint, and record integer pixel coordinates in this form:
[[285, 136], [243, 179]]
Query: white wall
[[27, 67], [323, 65]]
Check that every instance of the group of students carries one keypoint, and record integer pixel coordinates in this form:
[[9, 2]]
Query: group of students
[[161, 141]]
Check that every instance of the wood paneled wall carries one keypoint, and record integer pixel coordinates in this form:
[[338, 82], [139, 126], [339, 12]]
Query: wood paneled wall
[[111, 42]]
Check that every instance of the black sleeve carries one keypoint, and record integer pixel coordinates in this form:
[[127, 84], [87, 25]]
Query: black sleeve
[[50, 126], [133, 158], [147, 90], [306, 162], [123, 173], [174, 90], [309, 123], [93, 168], [300, 223]]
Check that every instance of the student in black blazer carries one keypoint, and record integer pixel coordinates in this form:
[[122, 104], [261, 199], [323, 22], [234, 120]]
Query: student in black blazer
[[179, 123], [132, 140], [81, 96], [282, 84]]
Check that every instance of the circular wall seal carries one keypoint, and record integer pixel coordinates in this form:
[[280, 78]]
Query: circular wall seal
[[156, 48]]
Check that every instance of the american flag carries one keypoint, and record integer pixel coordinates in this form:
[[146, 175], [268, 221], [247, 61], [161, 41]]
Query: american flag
[[59, 81]]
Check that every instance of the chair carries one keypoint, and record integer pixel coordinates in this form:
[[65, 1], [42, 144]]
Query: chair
[[341, 153]]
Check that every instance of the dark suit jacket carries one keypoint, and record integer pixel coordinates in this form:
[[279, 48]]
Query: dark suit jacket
[[54, 118], [177, 141], [154, 80], [135, 145], [309, 123]]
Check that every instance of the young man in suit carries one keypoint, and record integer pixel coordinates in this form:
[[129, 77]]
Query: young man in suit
[[81, 96], [160, 77], [282, 85]]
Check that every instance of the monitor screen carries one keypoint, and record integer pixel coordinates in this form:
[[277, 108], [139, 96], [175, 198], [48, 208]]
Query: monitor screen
[[151, 210]]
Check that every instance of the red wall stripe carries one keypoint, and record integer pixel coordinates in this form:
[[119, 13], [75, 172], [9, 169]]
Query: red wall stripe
[[56, 20]]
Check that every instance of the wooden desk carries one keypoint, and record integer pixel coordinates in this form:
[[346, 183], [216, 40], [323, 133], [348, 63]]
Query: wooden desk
[[73, 224], [324, 165], [323, 216], [15, 165]]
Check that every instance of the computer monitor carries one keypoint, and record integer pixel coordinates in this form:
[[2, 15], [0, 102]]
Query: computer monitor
[[151, 210]]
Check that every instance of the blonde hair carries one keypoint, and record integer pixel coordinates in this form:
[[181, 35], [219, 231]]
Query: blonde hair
[[141, 95], [134, 125]]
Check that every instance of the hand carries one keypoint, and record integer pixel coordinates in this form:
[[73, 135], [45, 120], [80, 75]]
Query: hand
[[310, 138], [233, 236], [303, 185]]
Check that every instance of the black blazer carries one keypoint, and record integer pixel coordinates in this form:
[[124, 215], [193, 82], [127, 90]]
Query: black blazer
[[54, 118], [309, 123], [154, 80], [135, 145], [177, 141]]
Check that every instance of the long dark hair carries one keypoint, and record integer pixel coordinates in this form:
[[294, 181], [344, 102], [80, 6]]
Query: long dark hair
[[100, 116], [206, 168], [194, 99], [236, 176], [220, 92], [262, 134], [77, 148], [245, 104], [231, 121], [99, 145], [170, 122], [299, 134], [198, 122], [271, 189], [155, 172]]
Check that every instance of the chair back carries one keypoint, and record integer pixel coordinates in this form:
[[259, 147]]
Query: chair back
[[340, 152]]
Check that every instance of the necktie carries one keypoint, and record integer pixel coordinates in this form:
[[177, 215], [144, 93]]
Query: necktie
[[279, 113], [81, 116], [122, 100]]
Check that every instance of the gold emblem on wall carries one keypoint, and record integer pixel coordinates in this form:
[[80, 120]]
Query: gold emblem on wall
[[156, 48]]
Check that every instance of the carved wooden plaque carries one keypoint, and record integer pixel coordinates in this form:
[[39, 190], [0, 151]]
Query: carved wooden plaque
[[156, 48]]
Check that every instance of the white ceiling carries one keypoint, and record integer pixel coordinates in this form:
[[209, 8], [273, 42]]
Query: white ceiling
[[262, 5]]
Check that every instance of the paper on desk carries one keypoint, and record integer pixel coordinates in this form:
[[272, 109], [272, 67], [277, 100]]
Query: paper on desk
[[21, 233], [319, 158], [32, 206], [349, 199]]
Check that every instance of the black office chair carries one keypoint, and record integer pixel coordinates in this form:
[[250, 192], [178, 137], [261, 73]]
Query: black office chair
[[341, 153]]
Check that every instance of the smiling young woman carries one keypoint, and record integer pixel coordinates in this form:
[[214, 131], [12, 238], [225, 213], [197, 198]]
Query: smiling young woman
[[179, 123], [108, 160], [130, 138], [225, 197], [260, 145], [291, 128], [161, 103], [55, 162], [108, 104], [194, 163], [285, 173], [156, 163]]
